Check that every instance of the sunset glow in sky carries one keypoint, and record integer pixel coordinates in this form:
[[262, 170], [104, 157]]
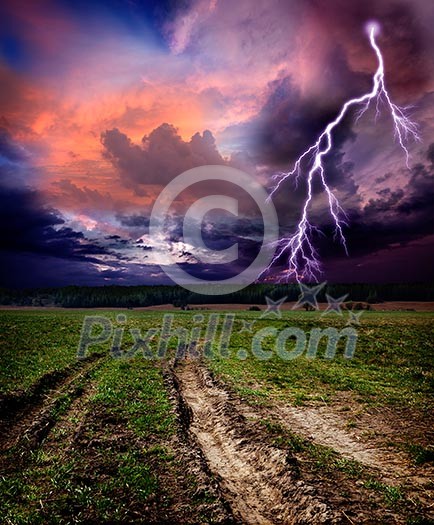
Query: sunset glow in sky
[[103, 103]]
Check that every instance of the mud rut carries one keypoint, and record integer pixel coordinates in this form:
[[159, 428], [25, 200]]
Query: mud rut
[[259, 481], [31, 421], [27, 418], [255, 478]]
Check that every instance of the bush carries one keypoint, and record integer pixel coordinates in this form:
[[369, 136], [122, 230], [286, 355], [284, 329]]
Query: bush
[[254, 309], [362, 306]]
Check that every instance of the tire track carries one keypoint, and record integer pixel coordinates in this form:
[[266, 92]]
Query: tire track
[[327, 428], [256, 479], [31, 416]]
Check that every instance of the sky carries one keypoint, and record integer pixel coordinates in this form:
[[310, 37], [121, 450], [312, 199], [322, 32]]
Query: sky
[[104, 103]]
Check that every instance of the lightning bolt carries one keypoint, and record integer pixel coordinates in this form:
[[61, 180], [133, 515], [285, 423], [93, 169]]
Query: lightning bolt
[[303, 260]]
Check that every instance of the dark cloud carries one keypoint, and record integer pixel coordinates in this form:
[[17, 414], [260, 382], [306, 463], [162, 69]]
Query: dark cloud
[[117, 241], [383, 178], [39, 248], [219, 233], [69, 195], [287, 124], [395, 217], [430, 154], [27, 225], [133, 221], [389, 229], [27, 270], [405, 32], [9, 150], [31, 231], [161, 156], [292, 119], [408, 263]]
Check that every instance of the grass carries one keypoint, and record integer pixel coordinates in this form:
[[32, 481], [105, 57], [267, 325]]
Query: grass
[[36, 342], [392, 362], [123, 465], [125, 388], [33, 343], [391, 494], [106, 480], [420, 454], [125, 462]]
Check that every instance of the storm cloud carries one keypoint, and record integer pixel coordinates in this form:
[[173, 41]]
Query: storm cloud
[[161, 156]]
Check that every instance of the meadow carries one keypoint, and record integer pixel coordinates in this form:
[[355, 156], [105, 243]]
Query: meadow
[[128, 439]]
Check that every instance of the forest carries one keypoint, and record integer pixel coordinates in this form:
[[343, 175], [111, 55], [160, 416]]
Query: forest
[[141, 296]]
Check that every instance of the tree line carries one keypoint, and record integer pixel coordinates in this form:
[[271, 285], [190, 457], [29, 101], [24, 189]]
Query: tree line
[[139, 296]]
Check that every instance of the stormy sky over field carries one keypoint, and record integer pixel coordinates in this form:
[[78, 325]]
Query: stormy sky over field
[[104, 103]]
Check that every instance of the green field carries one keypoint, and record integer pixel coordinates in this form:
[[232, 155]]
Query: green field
[[100, 439]]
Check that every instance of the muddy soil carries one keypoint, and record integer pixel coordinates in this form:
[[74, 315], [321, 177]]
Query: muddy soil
[[264, 483], [255, 477]]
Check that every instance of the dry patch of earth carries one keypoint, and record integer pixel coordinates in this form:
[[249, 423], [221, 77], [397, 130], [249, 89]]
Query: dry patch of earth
[[266, 481]]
